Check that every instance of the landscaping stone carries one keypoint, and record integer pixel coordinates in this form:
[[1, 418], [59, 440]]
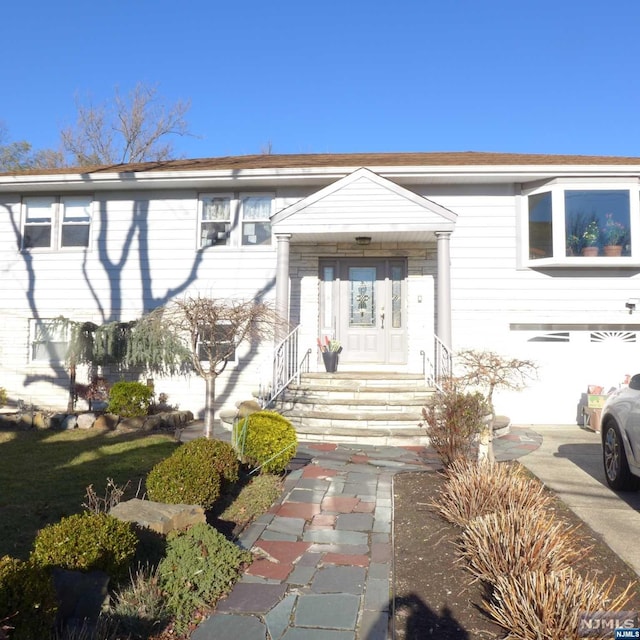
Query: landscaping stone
[[157, 516], [106, 421], [86, 420], [81, 597], [69, 422]]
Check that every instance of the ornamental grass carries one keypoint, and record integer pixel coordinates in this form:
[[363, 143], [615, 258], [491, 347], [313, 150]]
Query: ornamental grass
[[474, 489], [516, 541], [547, 606]]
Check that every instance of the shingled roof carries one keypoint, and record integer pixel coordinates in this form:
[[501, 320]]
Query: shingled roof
[[321, 160]]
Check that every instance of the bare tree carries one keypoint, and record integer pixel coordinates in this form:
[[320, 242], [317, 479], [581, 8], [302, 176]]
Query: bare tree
[[134, 128], [491, 371], [214, 329]]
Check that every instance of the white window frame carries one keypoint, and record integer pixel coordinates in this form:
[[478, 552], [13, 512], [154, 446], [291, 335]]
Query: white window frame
[[200, 344], [47, 331], [557, 188], [57, 220], [245, 223], [205, 237]]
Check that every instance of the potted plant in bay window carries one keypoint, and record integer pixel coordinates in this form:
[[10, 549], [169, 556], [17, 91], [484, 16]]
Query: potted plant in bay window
[[613, 235], [590, 237]]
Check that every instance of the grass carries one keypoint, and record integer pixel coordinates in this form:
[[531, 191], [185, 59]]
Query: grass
[[44, 475]]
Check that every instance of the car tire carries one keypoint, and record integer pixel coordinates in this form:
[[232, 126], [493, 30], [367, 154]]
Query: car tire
[[614, 459]]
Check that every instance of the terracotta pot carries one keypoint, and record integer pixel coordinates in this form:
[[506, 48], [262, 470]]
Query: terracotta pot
[[612, 250], [590, 251]]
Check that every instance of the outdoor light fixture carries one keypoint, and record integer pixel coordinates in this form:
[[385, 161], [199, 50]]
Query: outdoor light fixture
[[363, 240], [631, 305]]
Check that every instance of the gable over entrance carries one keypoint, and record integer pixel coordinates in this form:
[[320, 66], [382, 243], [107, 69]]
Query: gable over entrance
[[364, 203]]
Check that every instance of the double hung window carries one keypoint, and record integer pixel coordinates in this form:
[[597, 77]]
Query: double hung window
[[49, 340], [256, 223], [56, 222], [234, 219], [215, 220]]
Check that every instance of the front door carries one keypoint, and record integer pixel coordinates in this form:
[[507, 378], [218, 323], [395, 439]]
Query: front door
[[363, 306]]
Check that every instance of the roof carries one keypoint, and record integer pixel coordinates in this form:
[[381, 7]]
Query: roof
[[321, 160]]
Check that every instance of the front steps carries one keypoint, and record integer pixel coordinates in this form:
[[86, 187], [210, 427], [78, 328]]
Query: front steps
[[370, 408]]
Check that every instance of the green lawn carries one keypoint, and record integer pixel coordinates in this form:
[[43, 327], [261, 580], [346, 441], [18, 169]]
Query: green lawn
[[44, 475]]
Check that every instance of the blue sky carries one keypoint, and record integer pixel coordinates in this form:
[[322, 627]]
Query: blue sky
[[543, 76]]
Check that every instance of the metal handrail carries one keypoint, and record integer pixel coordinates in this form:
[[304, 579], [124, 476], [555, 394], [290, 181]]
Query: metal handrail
[[285, 366], [438, 370]]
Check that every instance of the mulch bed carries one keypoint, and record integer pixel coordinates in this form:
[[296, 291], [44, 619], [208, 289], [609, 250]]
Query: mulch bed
[[435, 597]]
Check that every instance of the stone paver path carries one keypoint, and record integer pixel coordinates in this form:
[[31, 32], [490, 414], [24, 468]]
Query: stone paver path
[[324, 552], [323, 567]]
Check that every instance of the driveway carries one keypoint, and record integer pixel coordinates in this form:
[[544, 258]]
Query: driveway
[[569, 461]]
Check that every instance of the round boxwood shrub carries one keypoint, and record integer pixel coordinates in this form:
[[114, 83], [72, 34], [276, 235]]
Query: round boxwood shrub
[[87, 542], [194, 473], [27, 596], [130, 399], [267, 440]]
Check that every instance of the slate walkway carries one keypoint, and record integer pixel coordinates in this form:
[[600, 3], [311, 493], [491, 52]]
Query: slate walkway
[[324, 567]]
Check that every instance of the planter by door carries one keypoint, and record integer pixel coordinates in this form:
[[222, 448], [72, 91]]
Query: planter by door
[[330, 361]]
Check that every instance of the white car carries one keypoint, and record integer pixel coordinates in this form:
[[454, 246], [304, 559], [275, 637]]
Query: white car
[[620, 431]]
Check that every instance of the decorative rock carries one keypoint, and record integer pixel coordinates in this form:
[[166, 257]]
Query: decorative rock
[[106, 421], [86, 420], [248, 407], [41, 420], [152, 423], [81, 597], [159, 517], [69, 422], [132, 423]]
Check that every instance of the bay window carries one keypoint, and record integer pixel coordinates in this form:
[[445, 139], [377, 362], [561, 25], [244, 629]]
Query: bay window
[[570, 224]]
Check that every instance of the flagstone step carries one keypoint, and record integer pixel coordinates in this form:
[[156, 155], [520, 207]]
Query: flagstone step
[[364, 407]]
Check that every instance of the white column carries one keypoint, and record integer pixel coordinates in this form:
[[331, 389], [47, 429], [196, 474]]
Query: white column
[[443, 293], [282, 280]]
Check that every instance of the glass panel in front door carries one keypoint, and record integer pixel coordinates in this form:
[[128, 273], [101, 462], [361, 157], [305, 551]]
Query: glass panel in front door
[[362, 282]]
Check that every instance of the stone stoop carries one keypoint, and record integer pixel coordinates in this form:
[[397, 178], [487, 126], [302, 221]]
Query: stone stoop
[[369, 408]]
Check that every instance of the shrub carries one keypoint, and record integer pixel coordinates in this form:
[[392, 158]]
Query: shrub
[[474, 489], [3, 396], [193, 473], [200, 566], [267, 440], [87, 542], [454, 420], [548, 605], [130, 399], [27, 596], [516, 541], [253, 500]]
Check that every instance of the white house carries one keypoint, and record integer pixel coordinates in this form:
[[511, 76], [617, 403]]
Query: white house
[[380, 251]]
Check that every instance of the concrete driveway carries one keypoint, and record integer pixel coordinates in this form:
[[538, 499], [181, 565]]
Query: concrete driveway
[[569, 461]]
